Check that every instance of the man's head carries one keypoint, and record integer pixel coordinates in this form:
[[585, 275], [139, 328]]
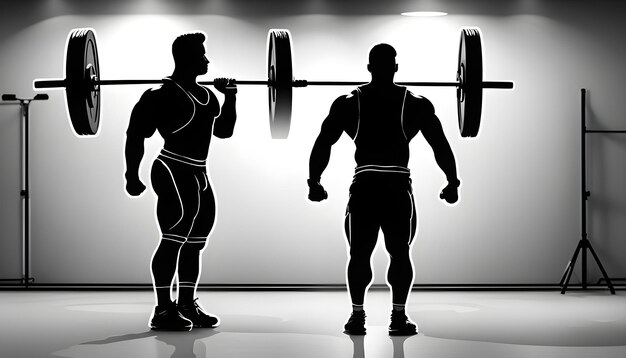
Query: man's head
[[189, 53], [382, 62]]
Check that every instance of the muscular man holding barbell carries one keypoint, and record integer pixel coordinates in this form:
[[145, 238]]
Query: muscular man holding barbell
[[381, 118], [186, 116]]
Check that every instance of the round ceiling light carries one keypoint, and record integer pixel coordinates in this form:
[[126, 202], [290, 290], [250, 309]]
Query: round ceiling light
[[424, 13]]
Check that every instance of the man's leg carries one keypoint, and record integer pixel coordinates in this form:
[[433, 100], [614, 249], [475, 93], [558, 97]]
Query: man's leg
[[164, 268], [190, 260], [400, 271], [165, 315], [168, 182], [362, 234], [189, 269], [399, 229]]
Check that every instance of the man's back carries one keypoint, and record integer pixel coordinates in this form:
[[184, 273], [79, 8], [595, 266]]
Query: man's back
[[382, 121], [184, 120], [380, 138]]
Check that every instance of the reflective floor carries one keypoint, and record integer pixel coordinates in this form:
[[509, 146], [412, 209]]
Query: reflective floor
[[309, 324]]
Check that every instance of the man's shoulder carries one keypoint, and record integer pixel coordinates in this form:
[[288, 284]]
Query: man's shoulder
[[416, 97], [159, 93], [345, 100], [419, 101]]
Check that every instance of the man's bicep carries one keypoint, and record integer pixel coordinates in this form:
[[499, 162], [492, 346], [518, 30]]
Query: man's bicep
[[433, 132], [330, 132], [142, 119], [419, 115], [333, 125], [422, 118]]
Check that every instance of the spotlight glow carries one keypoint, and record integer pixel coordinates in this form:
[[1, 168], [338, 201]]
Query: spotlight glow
[[424, 13]]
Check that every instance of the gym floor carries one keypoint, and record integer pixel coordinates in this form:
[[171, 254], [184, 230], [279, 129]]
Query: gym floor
[[309, 324]]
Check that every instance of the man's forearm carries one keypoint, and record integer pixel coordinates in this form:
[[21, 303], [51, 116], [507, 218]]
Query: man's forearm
[[447, 164], [320, 156], [133, 152], [225, 123]]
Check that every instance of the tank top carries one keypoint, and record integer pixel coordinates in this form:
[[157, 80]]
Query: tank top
[[191, 135], [381, 143]]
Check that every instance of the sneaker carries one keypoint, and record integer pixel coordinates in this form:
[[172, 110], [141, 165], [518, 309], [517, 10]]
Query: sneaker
[[167, 318], [356, 324], [401, 325], [198, 316]]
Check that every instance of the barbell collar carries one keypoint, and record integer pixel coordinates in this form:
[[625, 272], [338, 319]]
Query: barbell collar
[[498, 84], [50, 84]]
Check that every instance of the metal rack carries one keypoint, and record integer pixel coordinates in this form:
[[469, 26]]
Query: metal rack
[[25, 191], [584, 244]]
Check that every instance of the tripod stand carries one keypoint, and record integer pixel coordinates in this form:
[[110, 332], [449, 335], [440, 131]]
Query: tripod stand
[[584, 244], [24, 192]]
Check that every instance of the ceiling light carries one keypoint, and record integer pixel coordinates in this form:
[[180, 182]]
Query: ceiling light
[[424, 13]]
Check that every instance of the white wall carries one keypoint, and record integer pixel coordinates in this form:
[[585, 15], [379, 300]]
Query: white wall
[[518, 220]]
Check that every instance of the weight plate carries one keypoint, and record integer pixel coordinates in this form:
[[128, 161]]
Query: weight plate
[[280, 78], [470, 76], [81, 67]]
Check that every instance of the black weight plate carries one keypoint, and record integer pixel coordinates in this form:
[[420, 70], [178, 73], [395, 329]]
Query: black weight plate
[[280, 78], [81, 66], [470, 74]]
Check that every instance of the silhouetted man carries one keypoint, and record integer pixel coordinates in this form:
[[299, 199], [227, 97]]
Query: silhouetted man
[[381, 118], [186, 116]]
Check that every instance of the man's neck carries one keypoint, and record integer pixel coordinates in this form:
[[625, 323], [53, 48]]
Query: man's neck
[[184, 80], [382, 82]]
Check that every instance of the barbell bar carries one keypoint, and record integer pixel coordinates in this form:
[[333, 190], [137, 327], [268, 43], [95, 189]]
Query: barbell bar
[[82, 82], [299, 83]]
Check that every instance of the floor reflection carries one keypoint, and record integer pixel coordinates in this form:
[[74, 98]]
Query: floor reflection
[[397, 349], [198, 344], [185, 344]]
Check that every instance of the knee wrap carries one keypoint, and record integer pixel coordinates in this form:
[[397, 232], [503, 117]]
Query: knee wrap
[[199, 240]]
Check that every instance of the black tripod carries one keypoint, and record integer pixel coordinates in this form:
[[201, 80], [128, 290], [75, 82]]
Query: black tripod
[[584, 244], [24, 192]]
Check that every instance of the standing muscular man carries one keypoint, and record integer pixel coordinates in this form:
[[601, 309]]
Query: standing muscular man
[[186, 116], [381, 118]]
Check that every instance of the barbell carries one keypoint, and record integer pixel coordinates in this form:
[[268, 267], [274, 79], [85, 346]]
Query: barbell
[[82, 82]]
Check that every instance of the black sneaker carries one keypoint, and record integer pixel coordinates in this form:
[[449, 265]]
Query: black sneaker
[[167, 318], [198, 316], [401, 325], [356, 324]]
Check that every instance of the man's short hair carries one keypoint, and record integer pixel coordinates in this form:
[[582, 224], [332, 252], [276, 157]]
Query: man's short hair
[[182, 44], [382, 53]]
